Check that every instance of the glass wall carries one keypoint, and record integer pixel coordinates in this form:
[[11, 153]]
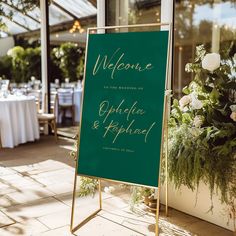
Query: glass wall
[[211, 23], [129, 12]]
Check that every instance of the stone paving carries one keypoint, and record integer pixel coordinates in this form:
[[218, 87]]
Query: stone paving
[[36, 183]]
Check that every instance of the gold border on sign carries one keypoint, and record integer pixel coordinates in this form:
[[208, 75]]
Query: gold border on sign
[[164, 133]]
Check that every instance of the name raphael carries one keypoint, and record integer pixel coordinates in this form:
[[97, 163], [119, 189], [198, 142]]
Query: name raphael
[[116, 128]]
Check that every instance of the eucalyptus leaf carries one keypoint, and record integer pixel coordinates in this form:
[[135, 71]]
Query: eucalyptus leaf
[[201, 97], [214, 95], [175, 103], [186, 90]]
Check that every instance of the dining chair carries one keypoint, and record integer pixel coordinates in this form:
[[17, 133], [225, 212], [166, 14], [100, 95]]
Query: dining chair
[[49, 118], [53, 101], [37, 94], [66, 104]]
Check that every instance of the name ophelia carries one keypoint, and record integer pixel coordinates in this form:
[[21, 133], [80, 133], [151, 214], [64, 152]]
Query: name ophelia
[[117, 63]]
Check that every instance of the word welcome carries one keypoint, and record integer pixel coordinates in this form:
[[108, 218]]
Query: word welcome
[[117, 63]]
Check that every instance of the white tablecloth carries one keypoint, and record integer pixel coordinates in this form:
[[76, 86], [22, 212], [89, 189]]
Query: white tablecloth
[[18, 120], [77, 102]]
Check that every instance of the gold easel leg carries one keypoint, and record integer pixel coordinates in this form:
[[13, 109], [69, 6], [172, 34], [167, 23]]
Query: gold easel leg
[[72, 228], [157, 212], [100, 193], [158, 184], [73, 199], [166, 187], [166, 155]]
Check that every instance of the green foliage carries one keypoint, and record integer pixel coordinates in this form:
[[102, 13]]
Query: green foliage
[[69, 57], [202, 130], [138, 194], [18, 63], [80, 67], [24, 5], [87, 186], [25, 63], [5, 67], [33, 62]]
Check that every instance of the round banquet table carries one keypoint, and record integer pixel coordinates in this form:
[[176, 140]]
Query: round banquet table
[[18, 120]]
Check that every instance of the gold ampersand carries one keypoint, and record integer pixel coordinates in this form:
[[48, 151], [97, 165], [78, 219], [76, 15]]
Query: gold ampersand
[[95, 125]]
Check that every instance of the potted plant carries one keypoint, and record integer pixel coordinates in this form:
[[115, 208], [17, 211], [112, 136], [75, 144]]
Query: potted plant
[[202, 127]]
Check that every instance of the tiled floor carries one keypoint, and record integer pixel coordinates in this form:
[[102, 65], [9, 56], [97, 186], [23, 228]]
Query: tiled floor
[[36, 182]]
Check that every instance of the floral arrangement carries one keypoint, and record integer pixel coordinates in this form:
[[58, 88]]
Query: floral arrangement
[[202, 133], [138, 196], [69, 57], [25, 63], [202, 130]]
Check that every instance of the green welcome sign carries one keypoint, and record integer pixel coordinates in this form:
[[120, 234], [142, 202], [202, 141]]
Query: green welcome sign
[[121, 127]]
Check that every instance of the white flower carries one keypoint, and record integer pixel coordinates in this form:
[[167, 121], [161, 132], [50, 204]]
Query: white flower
[[184, 109], [9, 52], [195, 103], [106, 189], [233, 116], [109, 189], [198, 121], [233, 108], [234, 56], [185, 100], [211, 61], [195, 132], [168, 92]]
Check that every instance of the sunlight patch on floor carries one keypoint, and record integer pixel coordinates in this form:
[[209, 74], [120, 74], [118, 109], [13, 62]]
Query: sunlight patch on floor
[[169, 229]]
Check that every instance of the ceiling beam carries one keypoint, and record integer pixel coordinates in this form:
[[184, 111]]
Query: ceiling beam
[[16, 23], [65, 10], [18, 10], [93, 2], [58, 42], [84, 21]]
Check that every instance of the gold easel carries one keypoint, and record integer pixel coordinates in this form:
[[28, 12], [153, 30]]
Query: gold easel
[[164, 133]]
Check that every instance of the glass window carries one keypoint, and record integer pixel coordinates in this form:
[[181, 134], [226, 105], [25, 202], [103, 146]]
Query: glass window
[[20, 18], [35, 13], [131, 12], [79, 8], [12, 28], [57, 16], [211, 23], [59, 12], [198, 22]]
